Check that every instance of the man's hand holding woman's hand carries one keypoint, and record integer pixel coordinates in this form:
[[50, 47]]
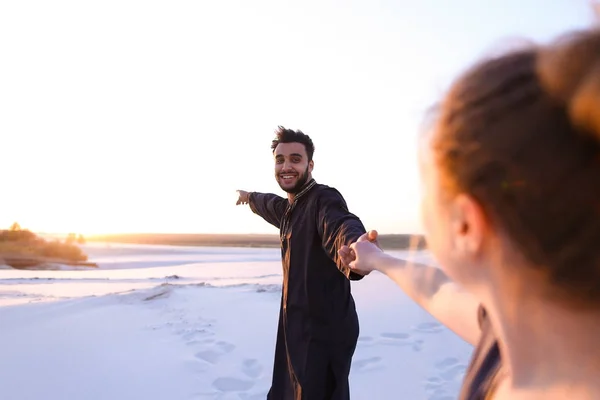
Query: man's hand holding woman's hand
[[361, 256]]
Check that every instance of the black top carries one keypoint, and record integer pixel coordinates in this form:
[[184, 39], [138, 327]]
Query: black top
[[318, 323], [485, 363]]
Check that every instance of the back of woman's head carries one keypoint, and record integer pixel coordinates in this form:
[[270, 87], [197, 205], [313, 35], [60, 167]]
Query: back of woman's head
[[521, 134]]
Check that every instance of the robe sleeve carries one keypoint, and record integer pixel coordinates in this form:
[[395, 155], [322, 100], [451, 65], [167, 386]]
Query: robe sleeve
[[269, 206], [337, 227]]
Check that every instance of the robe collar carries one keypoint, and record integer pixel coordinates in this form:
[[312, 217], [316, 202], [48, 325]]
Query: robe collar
[[288, 212], [307, 186]]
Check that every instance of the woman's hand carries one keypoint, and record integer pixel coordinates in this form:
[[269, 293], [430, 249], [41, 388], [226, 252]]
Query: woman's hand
[[362, 255]]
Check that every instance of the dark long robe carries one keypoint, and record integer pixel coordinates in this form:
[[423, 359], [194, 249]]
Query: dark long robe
[[318, 324]]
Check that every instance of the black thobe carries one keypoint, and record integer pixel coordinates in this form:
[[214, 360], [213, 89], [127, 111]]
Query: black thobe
[[318, 323]]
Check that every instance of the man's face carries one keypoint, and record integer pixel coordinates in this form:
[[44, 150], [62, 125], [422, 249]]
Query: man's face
[[292, 167]]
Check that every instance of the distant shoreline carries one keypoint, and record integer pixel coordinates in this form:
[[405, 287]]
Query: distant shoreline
[[390, 241]]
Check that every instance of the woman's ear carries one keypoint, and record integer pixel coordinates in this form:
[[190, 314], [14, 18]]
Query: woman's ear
[[468, 224]]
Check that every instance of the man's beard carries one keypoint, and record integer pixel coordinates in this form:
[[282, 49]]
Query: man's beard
[[302, 179]]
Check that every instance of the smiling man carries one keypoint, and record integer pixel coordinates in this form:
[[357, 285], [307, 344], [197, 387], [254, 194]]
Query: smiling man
[[318, 323]]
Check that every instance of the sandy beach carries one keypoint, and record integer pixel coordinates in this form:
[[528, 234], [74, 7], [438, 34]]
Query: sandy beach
[[165, 322]]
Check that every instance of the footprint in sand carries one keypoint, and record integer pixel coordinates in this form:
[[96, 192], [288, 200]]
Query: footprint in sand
[[429, 327], [184, 327], [225, 347], [437, 389], [367, 364], [210, 356], [433, 383], [251, 368], [229, 384], [418, 345], [401, 339], [446, 381], [365, 339], [200, 342], [450, 369], [193, 334], [213, 354], [401, 336]]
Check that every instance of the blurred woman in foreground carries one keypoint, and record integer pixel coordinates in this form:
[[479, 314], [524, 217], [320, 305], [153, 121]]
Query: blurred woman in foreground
[[511, 210]]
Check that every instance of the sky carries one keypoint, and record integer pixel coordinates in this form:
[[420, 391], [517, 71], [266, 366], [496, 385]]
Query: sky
[[122, 116]]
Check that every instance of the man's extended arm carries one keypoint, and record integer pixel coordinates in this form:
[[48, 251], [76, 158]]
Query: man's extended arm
[[337, 228], [269, 206]]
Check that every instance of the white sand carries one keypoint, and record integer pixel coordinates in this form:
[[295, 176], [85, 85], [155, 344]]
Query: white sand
[[159, 322]]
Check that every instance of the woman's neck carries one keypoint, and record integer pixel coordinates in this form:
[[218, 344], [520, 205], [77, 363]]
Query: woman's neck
[[548, 351]]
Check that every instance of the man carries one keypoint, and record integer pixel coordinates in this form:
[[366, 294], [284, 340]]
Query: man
[[318, 323]]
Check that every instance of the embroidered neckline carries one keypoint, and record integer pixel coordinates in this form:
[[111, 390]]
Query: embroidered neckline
[[288, 212]]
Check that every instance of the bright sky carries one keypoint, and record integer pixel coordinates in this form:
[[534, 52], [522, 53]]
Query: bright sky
[[147, 115]]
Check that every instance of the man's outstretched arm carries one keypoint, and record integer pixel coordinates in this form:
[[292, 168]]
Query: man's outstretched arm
[[338, 227], [267, 205]]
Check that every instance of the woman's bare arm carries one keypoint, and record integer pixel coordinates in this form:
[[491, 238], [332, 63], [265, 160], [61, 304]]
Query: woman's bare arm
[[427, 285]]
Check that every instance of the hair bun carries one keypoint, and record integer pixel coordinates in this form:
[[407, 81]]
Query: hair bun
[[569, 71]]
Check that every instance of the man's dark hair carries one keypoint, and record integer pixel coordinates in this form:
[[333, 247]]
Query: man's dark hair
[[283, 135]]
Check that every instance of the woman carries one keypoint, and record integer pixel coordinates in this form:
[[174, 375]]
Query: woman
[[511, 210]]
